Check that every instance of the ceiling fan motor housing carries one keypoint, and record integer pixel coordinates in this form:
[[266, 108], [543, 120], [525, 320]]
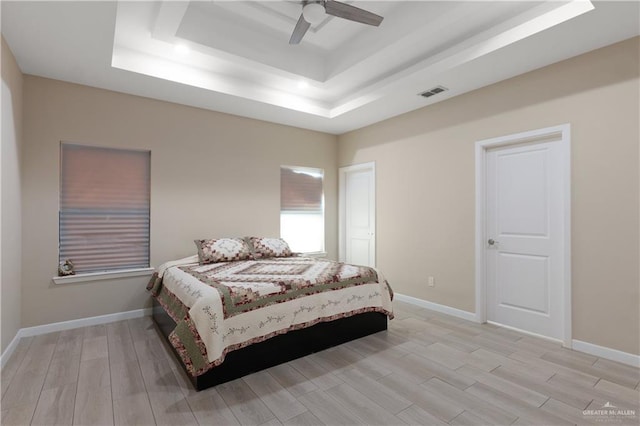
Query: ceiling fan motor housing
[[313, 12]]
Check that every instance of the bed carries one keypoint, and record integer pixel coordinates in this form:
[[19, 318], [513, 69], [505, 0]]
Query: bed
[[228, 318]]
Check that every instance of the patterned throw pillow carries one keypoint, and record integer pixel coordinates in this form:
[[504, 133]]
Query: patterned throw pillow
[[270, 247], [222, 250]]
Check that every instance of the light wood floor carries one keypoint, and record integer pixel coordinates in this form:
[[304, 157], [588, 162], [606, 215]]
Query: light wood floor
[[428, 368]]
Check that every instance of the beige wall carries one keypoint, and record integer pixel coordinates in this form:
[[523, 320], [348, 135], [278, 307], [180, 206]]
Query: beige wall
[[425, 185], [212, 175], [11, 239]]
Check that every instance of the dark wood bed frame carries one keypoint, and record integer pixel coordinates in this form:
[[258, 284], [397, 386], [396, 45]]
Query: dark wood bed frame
[[278, 349]]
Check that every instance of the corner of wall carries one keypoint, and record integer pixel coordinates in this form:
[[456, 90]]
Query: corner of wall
[[11, 201]]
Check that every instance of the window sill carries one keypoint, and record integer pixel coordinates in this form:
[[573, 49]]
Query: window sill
[[97, 276]]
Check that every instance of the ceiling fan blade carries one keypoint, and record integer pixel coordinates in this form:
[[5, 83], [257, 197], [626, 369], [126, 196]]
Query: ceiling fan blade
[[299, 31], [352, 13]]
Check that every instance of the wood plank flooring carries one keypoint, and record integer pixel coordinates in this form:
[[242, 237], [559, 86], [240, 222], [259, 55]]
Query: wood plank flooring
[[428, 368]]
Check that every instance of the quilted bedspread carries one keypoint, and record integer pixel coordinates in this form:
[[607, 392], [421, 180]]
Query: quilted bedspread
[[225, 306]]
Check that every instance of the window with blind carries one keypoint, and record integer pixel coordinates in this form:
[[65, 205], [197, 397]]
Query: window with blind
[[302, 208], [104, 208]]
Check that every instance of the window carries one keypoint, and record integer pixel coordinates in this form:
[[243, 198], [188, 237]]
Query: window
[[104, 208], [302, 208]]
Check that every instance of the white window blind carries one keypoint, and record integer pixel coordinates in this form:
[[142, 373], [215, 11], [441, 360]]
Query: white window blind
[[302, 208], [104, 208]]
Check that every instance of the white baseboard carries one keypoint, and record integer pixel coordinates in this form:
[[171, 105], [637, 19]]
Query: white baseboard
[[9, 351], [68, 325], [608, 353], [459, 313], [83, 322], [589, 348]]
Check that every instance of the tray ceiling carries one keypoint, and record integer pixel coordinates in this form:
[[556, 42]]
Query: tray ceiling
[[234, 56]]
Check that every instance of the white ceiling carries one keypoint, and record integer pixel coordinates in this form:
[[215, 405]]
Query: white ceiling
[[239, 60]]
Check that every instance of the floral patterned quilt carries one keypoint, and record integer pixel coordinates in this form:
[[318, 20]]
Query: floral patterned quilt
[[225, 306]]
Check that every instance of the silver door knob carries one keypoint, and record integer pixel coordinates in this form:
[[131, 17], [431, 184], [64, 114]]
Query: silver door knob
[[492, 241]]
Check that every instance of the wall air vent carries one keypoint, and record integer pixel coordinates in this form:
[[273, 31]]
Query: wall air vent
[[434, 91]]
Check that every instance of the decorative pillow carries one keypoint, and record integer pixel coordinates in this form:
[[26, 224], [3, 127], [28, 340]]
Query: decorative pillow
[[222, 250], [270, 247]]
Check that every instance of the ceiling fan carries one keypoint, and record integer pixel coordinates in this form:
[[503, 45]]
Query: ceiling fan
[[314, 11]]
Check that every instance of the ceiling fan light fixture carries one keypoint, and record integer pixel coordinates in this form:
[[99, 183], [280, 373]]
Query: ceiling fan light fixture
[[313, 13]]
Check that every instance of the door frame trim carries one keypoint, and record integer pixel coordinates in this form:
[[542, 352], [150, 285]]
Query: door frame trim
[[342, 171], [563, 132]]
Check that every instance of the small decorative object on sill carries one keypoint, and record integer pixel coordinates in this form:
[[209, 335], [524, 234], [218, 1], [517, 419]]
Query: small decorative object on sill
[[65, 268]]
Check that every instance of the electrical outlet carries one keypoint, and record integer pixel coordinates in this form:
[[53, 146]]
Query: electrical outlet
[[431, 282]]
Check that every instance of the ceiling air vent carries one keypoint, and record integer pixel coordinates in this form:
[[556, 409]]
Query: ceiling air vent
[[434, 91]]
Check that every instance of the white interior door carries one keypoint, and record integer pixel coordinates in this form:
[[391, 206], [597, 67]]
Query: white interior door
[[357, 214], [524, 249]]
